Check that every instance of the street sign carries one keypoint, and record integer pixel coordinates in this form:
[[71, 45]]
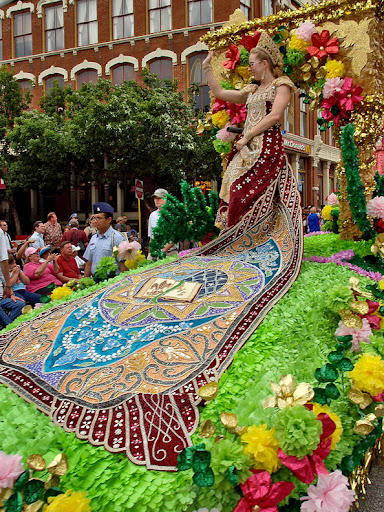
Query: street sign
[[139, 189]]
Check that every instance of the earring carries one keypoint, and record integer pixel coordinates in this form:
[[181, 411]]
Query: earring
[[263, 75]]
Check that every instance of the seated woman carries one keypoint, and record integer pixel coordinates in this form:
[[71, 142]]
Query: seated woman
[[40, 274], [19, 282]]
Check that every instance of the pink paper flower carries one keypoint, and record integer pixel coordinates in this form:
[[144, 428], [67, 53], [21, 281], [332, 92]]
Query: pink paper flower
[[375, 207], [332, 86], [128, 250], [224, 135], [330, 494], [237, 112], [11, 468], [306, 30], [349, 95], [218, 105], [332, 199], [359, 335]]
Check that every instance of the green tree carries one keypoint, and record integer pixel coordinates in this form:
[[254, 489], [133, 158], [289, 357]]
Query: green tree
[[12, 103]]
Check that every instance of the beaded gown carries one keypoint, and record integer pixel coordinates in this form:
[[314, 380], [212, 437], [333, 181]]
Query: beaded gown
[[252, 170]]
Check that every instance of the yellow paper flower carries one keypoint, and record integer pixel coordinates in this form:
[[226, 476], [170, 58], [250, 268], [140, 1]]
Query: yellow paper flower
[[334, 68], [368, 374], [220, 119], [326, 212], [336, 436], [262, 446], [61, 292], [381, 284], [298, 44], [68, 502], [288, 394]]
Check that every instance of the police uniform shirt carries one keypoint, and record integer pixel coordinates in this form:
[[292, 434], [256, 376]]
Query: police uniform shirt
[[102, 245]]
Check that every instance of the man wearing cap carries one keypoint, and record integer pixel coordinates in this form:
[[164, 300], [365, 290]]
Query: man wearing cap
[[52, 231], [159, 200], [103, 242], [75, 235]]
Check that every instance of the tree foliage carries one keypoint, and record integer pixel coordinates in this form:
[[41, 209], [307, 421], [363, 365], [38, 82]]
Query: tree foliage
[[108, 133]]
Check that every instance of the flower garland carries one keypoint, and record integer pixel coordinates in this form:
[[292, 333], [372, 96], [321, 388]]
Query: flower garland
[[18, 491]]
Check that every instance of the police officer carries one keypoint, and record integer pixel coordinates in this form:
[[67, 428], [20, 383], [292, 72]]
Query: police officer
[[103, 242]]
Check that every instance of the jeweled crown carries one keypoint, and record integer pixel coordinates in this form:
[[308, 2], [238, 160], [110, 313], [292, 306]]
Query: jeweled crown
[[266, 45]]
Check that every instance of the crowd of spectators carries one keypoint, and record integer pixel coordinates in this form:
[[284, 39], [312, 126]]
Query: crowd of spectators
[[50, 255], [312, 219]]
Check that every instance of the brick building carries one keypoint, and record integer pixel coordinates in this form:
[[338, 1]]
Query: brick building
[[80, 41]]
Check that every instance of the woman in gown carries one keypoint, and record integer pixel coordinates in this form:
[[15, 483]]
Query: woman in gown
[[258, 157]]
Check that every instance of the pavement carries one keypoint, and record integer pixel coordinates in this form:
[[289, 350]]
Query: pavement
[[374, 500]]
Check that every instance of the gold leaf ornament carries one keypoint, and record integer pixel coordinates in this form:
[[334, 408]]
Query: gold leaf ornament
[[351, 320], [209, 391], [59, 466], [364, 426], [288, 394], [379, 411], [359, 398], [52, 481], [229, 420], [360, 307], [207, 429], [33, 507], [36, 462], [200, 127]]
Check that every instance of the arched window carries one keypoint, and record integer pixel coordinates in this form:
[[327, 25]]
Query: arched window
[[122, 18], [197, 76], [122, 73], [246, 8], [25, 85], [85, 77], [200, 12], [162, 68], [51, 80], [54, 27]]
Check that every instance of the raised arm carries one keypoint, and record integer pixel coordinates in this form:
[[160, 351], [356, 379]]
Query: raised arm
[[217, 90]]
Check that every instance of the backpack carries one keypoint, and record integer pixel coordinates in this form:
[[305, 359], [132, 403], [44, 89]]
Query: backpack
[[79, 243]]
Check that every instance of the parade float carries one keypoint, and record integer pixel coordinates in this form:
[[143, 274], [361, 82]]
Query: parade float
[[213, 400]]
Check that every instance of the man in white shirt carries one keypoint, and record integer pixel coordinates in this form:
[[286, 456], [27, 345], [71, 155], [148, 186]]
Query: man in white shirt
[[37, 239], [159, 198]]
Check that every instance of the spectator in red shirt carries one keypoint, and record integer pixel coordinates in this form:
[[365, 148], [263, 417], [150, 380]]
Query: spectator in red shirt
[[76, 236], [68, 268]]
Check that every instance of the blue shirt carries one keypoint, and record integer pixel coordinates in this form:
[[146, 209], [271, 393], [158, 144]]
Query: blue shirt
[[102, 245], [38, 241], [313, 222]]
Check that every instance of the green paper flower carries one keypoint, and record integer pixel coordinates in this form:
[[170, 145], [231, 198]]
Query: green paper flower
[[295, 57], [339, 297], [244, 57], [222, 146], [226, 454], [298, 431]]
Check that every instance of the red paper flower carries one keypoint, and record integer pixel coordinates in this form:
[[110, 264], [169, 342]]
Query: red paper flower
[[308, 467], [322, 45], [237, 112], [233, 54], [259, 490], [379, 225], [349, 95], [218, 105], [331, 110], [250, 42]]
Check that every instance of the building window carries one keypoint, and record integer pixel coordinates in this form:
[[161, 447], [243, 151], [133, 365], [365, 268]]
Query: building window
[[87, 76], [122, 73], [22, 29], [200, 12], [160, 16], [162, 68], [86, 22], [197, 76], [266, 7], [49, 82], [1, 39], [246, 8], [54, 28], [303, 118], [122, 18], [25, 85]]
